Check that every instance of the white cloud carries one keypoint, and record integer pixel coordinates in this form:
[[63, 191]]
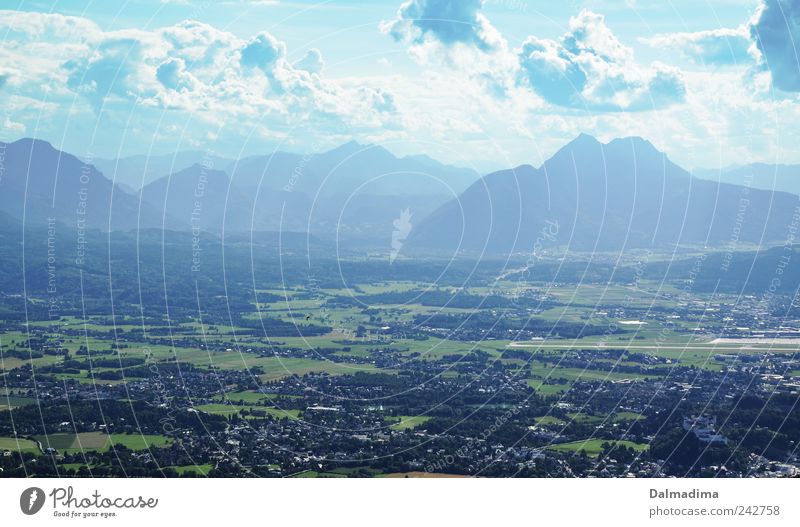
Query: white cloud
[[311, 62], [723, 46], [12, 129], [590, 68], [775, 28], [446, 21], [191, 67], [263, 51]]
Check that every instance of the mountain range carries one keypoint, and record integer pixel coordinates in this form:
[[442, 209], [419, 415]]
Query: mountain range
[[624, 194], [592, 196], [349, 191], [781, 177], [40, 185]]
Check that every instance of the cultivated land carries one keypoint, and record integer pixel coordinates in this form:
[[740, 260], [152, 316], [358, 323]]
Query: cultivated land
[[386, 378]]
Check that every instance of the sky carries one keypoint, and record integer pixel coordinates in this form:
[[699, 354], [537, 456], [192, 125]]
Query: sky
[[488, 84]]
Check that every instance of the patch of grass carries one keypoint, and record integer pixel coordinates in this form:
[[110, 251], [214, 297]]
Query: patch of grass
[[74, 466], [354, 470], [594, 447], [18, 445], [67, 443], [11, 402], [407, 422], [223, 409], [139, 441], [200, 470], [315, 474], [578, 374], [549, 420], [280, 413], [627, 416], [228, 410], [245, 397], [584, 418]]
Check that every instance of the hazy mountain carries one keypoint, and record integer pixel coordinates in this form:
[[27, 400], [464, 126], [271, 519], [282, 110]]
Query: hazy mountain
[[39, 183], [199, 197], [270, 172], [353, 191], [134, 172], [352, 169], [593, 196], [784, 178]]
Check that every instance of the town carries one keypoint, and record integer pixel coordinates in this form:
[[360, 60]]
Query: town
[[489, 378]]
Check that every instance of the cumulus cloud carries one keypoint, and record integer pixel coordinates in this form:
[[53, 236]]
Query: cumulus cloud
[[449, 22], [12, 127], [39, 26], [590, 68], [173, 75], [453, 34], [311, 62], [723, 46], [263, 52], [112, 70], [191, 66], [775, 28]]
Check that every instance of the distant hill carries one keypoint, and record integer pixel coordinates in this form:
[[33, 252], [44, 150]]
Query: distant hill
[[353, 192], [593, 196], [134, 172], [352, 168], [784, 178], [198, 197], [40, 183]]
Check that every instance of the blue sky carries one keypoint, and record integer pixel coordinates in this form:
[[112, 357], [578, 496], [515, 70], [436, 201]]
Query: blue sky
[[489, 84]]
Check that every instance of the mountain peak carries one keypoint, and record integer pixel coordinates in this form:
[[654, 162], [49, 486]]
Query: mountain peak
[[584, 139], [349, 148], [632, 146], [582, 142], [32, 142], [635, 142], [580, 147]]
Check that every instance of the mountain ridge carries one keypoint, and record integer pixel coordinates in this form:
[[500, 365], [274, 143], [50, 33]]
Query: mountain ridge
[[623, 194]]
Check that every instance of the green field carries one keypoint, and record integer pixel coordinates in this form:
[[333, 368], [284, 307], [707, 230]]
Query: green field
[[407, 422], [315, 474], [139, 441], [594, 447], [18, 445], [228, 410], [66, 443], [549, 420], [587, 419], [11, 402], [627, 416], [541, 371], [245, 397], [200, 470]]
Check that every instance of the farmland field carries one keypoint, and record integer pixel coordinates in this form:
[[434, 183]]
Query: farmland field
[[18, 445], [594, 447]]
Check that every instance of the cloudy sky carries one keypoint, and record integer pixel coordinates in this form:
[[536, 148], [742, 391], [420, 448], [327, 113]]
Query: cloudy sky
[[490, 83]]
